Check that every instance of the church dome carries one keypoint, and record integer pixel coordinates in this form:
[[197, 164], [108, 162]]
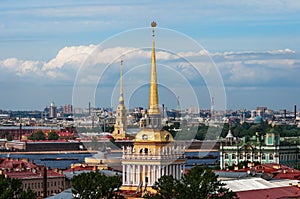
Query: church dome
[[153, 135]]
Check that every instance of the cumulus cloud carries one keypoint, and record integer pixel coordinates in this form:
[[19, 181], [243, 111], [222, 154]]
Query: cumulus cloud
[[236, 68], [21, 67]]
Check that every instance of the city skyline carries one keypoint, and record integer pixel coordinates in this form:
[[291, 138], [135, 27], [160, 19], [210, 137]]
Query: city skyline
[[255, 47]]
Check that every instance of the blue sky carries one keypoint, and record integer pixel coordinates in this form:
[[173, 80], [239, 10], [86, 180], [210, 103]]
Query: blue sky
[[254, 45]]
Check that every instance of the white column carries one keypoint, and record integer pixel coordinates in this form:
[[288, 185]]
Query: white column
[[144, 175], [123, 176], [153, 174], [127, 174], [159, 172], [163, 171], [133, 175], [174, 171], [149, 174], [181, 170], [129, 171], [138, 174], [167, 169]]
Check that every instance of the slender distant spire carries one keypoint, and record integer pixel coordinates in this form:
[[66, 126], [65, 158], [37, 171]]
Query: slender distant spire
[[121, 98], [153, 99]]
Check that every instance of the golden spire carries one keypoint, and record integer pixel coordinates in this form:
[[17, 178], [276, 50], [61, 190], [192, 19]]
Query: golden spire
[[153, 99], [121, 98]]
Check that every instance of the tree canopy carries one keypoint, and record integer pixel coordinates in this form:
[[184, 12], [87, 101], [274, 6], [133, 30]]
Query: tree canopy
[[12, 188], [39, 135], [53, 136], [95, 185], [199, 183]]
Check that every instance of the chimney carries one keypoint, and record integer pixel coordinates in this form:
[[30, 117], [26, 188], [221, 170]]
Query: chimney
[[284, 113], [295, 111]]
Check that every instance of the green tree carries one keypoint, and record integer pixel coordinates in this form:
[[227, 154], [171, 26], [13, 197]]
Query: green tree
[[4, 134], [28, 194], [166, 188], [53, 136], [12, 188], [199, 183], [40, 135], [95, 185], [37, 136], [9, 137]]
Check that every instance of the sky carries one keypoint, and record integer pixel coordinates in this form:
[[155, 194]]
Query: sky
[[243, 54]]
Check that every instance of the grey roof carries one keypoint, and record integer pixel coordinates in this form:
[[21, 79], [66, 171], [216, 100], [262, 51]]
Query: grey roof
[[256, 183], [70, 174], [66, 194]]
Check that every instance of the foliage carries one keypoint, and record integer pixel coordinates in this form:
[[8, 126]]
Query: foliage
[[4, 134], [53, 136], [39, 135], [237, 129], [9, 137], [95, 185], [12, 188], [199, 183]]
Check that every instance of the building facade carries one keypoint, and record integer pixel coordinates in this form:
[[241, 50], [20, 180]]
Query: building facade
[[265, 151], [44, 182]]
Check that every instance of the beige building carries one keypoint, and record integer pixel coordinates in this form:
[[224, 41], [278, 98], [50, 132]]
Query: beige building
[[154, 153], [33, 176]]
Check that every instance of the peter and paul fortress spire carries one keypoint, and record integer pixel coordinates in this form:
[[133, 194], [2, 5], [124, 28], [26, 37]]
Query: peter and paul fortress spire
[[121, 98], [120, 126]]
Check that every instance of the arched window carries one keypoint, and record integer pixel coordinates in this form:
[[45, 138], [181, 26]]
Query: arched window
[[263, 156], [248, 156], [241, 156], [255, 156], [233, 156], [271, 156], [226, 155]]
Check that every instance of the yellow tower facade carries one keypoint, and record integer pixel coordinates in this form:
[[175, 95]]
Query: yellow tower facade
[[154, 153], [120, 126]]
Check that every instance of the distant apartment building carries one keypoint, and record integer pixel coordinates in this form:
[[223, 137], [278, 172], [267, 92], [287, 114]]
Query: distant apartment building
[[68, 109], [52, 110]]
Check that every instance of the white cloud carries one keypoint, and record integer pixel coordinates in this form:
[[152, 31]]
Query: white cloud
[[21, 67], [73, 56], [240, 68]]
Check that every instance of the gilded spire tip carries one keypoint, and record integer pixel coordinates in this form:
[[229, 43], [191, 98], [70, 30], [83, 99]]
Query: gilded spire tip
[[153, 24]]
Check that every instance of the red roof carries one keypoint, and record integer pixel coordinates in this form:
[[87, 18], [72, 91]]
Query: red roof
[[279, 171], [9, 163], [31, 175], [280, 192], [80, 168]]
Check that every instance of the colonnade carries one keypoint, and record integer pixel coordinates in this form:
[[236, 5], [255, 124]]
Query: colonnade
[[136, 174]]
